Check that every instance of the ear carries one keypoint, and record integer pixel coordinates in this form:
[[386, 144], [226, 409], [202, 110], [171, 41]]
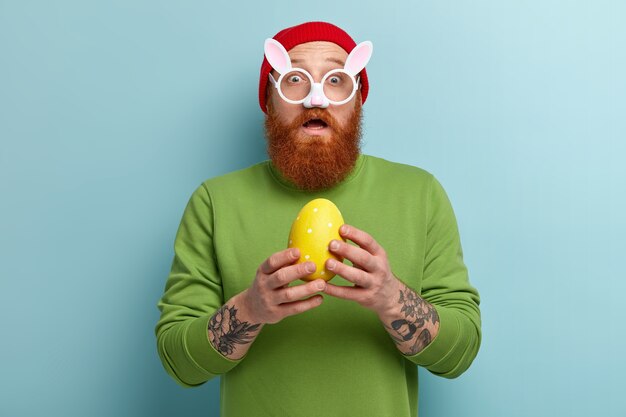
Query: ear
[[277, 56], [359, 57]]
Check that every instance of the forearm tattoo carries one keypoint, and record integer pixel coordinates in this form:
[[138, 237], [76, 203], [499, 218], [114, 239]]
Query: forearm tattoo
[[226, 331], [417, 313]]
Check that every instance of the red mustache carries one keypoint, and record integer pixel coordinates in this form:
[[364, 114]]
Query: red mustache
[[315, 113]]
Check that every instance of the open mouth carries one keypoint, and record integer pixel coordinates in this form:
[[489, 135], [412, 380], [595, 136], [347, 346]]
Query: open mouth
[[315, 124]]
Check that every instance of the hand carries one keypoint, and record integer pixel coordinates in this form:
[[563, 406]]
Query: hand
[[270, 299], [375, 285]]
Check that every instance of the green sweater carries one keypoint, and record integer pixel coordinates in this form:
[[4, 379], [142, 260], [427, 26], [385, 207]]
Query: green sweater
[[337, 359]]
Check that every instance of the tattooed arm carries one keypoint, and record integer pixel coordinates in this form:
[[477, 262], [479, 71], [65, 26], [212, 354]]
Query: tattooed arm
[[231, 330], [269, 299], [412, 322]]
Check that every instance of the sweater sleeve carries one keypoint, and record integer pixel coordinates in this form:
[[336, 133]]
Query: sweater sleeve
[[446, 286], [193, 292]]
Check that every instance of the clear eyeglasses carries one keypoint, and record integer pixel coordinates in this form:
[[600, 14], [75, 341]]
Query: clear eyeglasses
[[297, 86]]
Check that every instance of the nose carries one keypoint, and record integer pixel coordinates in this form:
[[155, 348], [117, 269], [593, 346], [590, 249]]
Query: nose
[[317, 100], [316, 97]]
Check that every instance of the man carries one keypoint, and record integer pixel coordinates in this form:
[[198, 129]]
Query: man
[[234, 304]]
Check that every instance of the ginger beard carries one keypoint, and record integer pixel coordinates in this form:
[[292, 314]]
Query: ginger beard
[[314, 162]]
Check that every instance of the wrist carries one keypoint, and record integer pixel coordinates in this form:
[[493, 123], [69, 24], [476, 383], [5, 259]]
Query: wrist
[[390, 306], [242, 304]]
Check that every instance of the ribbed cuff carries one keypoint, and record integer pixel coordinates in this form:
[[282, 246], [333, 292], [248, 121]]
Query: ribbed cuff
[[443, 343], [202, 351]]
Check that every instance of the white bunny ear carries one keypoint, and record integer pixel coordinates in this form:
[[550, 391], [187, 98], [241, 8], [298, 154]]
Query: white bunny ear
[[359, 57], [277, 56]]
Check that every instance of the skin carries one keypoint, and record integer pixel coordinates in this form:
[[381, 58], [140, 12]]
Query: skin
[[317, 58], [411, 322]]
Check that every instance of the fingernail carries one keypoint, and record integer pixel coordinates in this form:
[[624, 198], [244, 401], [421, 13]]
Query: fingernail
[[334, 245], [344, 229], [331, 264], [321, 285], [294, 253], [310, 268]]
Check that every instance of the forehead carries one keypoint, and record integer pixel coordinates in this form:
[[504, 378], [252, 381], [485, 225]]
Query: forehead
[[317, 52]]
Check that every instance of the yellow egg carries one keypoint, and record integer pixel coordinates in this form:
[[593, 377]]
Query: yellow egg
[[317, 223]]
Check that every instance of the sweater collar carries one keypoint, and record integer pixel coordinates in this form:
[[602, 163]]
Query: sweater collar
[[278, 176]]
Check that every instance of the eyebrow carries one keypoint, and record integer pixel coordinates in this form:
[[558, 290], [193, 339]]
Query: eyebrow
[[335, 60]]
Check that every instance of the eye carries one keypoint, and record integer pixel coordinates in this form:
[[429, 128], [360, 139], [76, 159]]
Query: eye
[[334, 79], [295, 79]]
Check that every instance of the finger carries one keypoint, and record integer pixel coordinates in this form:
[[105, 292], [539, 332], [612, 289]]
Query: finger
[[361, 238], [290, 273], [298, 292], [354, 254], [345, 292], [280, 259], [354, 275], [297, 307]]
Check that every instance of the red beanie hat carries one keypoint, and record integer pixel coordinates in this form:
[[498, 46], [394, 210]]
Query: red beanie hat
[[310, 32]]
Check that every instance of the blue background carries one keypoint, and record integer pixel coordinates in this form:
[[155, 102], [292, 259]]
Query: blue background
[[113, 112]]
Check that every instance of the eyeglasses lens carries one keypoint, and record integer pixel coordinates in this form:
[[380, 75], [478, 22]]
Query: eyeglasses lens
[[295, 85]]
